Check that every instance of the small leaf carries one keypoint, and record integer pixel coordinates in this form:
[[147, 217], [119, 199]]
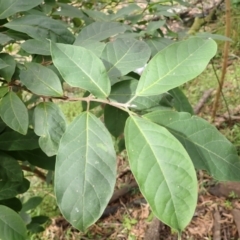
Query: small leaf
[[97, 15], [125, 11], [10, 7], [123, 91], [207, 147], [7, 72], [152, 26], [175, 65], [85, 171], [12, 226], [31, 203], [14, 113], [4, 39], [49, 124], [99, 31], [42, 27], [124, 55], [114, 119], [163, 171], [180, 101], [41, 80], [69, 11], [13, 203], [34, 46], [81, 68], [14, 141], [3, 91]]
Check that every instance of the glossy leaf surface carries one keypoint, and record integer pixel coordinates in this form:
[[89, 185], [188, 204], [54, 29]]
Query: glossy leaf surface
[[163, 171], [85, 171]]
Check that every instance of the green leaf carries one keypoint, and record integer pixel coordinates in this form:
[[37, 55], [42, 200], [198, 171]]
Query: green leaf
[[8, 189], [207, 147], [85, 171], [31, 203], [12, 226], [175, 65], [69, 11], [13, 203], [3, 64], [34, 46], [7, 72], [99, 31], [10, 169], [40, 219], [4, 39], [14, 141], [97, 16], [49, 124], [3, 91], [41, 80], [37, 158], [10, 7], [14, 113], [124, 55], [123, 91], [42, 27], [158, 44], [180, 101], [81, 68], [163, 171], [125, 11], [93, 46], [152, 26], [114, 119]]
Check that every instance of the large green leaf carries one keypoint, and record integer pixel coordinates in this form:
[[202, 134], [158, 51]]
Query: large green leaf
[[81, 68], [69, 11], [85, 171], [10, 7], [41, 80], [99, 31], [14, 141], [175, 65], [42, 27], [8, 71], [49, 124], [14, 113], [93, 46], [3, 64], [4, 39], [207, 147], [12, 226], [124, 55], [163, 171], [34, 46]]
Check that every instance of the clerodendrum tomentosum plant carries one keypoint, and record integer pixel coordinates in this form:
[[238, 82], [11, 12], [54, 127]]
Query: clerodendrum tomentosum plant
[[165, 143]]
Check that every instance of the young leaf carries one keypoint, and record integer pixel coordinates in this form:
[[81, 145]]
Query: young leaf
[[124, 55], [14, 113], [34, 46], [42, 28], [12, 226], [99, 31], [175, 65], [85, 171], [81, 68], [10, 7], [163, 171], [207, 147], [14, 141], [8, 71], [49, 124], [41, 80]]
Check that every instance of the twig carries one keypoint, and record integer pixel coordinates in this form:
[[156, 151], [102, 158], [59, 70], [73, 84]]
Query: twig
[[217, 225], [37, 172], [202, 100], [225, 58]]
